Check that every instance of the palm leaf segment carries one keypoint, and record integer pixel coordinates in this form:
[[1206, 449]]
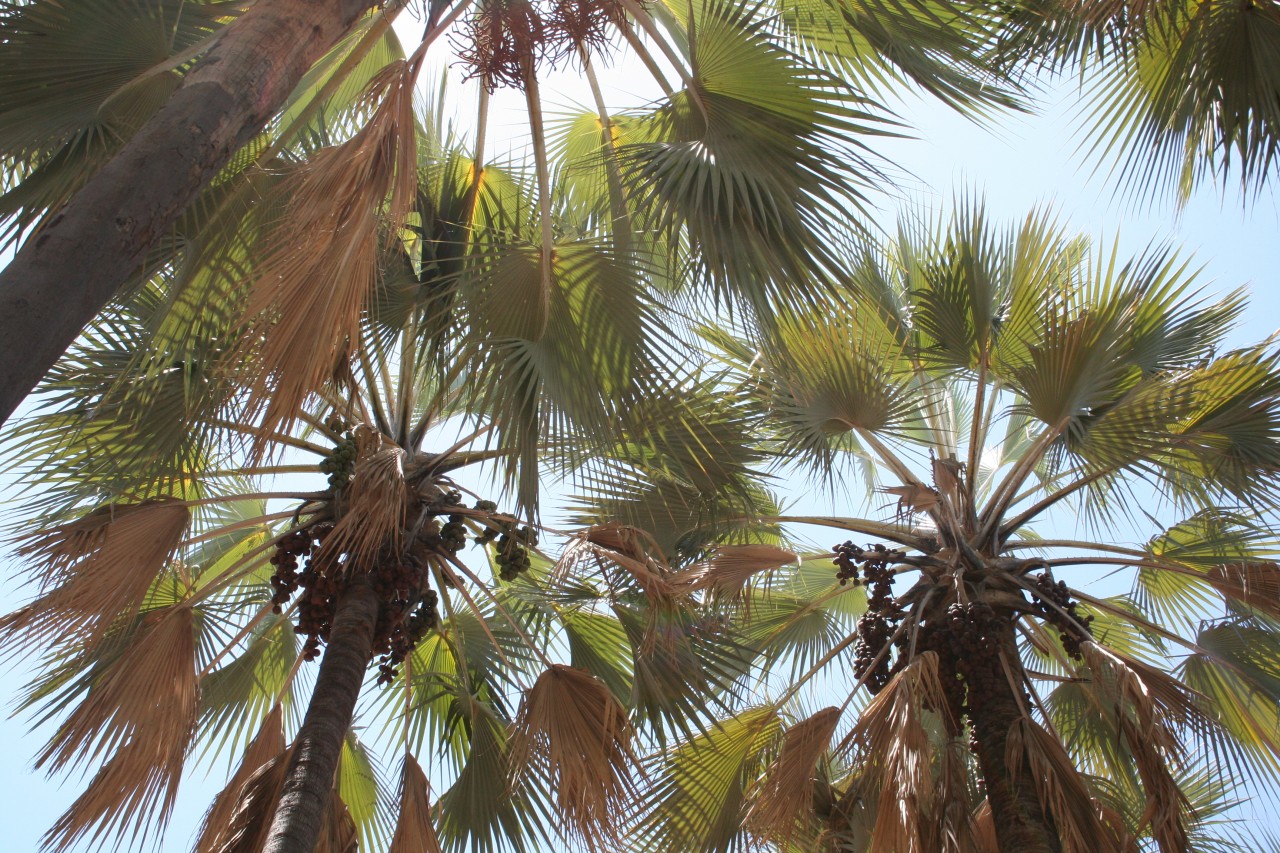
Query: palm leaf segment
[[985, 378], [1185, 91]]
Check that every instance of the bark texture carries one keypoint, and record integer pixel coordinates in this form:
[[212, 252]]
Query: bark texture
[[309, 779], [70, 269], [1021, 824]]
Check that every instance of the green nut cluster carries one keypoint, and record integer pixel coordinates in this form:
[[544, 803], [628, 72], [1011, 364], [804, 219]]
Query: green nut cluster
[[453, 535], [512, 554], [341, 463], [490, 532]]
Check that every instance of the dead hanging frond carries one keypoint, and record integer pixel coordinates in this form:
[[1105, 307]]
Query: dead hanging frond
[[320, 260], [415, 832], [575, 735], [730, 567], [1151, 708], [984, 828], [1255, 584], [622, 538], [896, 753], [338, 833], [255, 806], [650, 574], [784, 799], [1059, 787], [94, 572], [375, 503], [225, 829], [142, 713], [952, 828]]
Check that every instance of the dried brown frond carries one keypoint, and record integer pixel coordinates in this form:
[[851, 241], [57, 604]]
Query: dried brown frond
[[1151, 707], [651, 575], [255, 806], [897, 755], [1124, 840], [142, 712], [216, 832], [375, 503], [623, 538], [1256, 584], [415, 833], [320, 260], [915, 497], [576, 735], [726, 573], [984, 829], [784, 800], [952, 829], [94, 572], [337, 828], [1059, 787]]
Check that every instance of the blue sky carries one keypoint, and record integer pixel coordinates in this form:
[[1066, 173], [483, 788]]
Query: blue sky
[[1021, 163]]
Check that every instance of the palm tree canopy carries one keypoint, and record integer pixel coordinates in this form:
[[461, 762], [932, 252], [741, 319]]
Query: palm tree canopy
[[982, 380]]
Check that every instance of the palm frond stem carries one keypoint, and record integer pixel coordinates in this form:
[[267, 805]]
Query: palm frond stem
[[651, 28], [646, 58], [1049, 500], [542, 167], [617, 199], [1002, 496]]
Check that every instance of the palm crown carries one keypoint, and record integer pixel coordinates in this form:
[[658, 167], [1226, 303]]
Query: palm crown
[[982, 379]]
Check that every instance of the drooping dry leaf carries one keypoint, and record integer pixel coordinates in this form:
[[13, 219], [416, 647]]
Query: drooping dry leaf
[[1152, 707], [575, 735], [624, 539], [951, 829], [142, 712], [1059, 787], [652, 576], [894, 749], [1256, 584], [726, 573], [375, 503], [984, 829], [338, 832], [784, 799], [94, 572], [255, 806], [915, 497], [415, 832], [216, 832], [320, 261]]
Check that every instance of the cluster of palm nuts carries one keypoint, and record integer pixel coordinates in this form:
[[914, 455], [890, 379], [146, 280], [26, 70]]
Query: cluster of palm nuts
[[872, 567], [967, 640], [401, 577], [1052, 602], [502, 43], [967, 637]]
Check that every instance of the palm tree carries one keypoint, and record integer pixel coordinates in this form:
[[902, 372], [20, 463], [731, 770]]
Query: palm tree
[[180, 104], [982, 381], [177, 546]]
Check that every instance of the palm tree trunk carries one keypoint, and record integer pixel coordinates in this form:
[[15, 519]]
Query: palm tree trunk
[[1021, 824], [70, 269], [309, 779]]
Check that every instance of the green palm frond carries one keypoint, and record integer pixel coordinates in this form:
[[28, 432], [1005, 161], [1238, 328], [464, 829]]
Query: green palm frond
[[699, 786], [749, 166]]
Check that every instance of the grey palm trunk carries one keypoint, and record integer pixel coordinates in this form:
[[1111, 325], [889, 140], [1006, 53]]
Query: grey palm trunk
[[309, 780], [71, 269]]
